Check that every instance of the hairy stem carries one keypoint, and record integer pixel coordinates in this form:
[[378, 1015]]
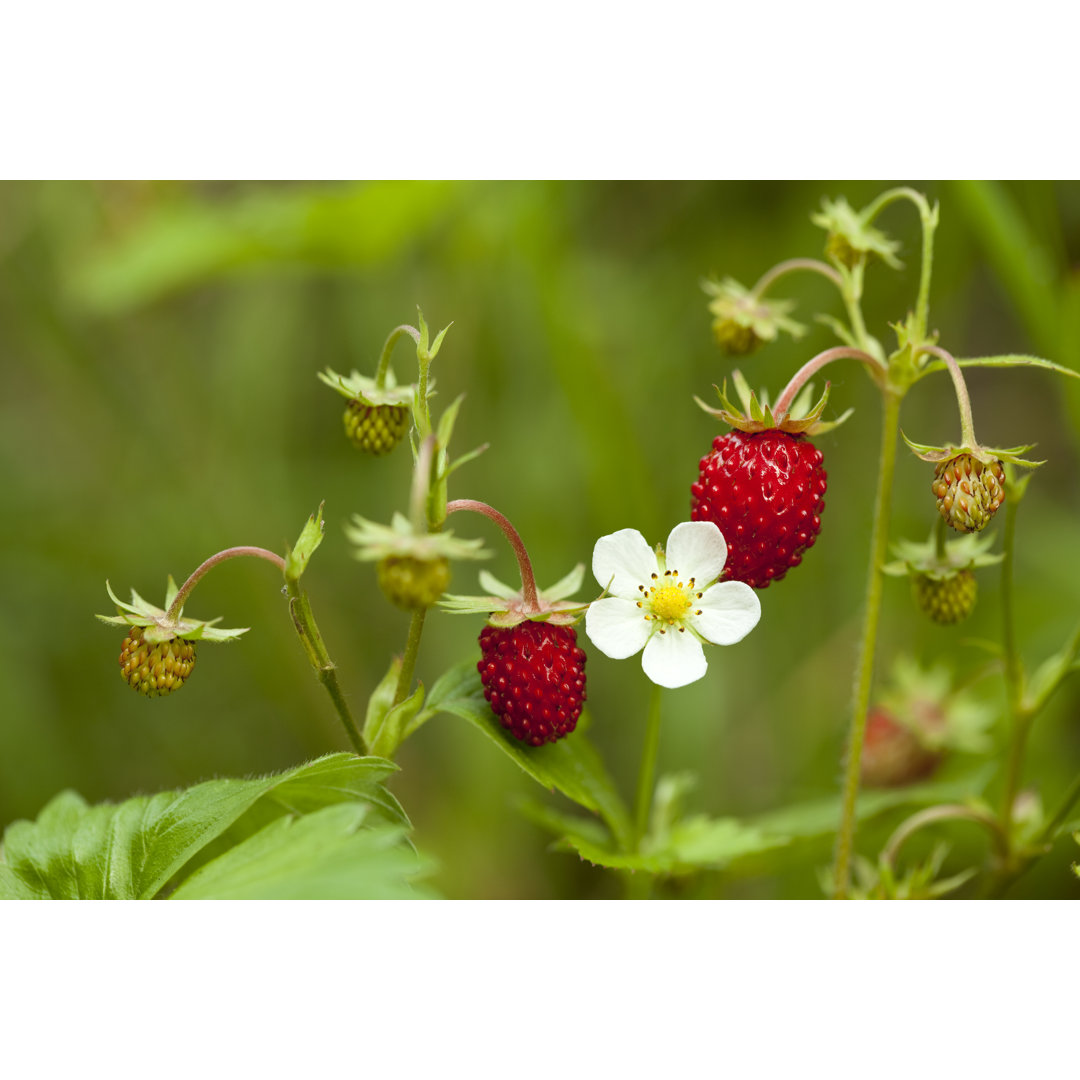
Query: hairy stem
[[200, 572], [864, 671], [528, 580]]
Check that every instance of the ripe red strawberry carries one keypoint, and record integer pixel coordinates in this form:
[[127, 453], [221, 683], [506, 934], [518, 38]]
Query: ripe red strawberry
[[534, 678], [155, 669], [765, 491]]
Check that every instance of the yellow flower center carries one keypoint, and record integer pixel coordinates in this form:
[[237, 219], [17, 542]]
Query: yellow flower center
[[669, 600], [669, 603]]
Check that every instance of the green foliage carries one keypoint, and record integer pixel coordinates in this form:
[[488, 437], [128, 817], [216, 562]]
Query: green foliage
[[327, 829]]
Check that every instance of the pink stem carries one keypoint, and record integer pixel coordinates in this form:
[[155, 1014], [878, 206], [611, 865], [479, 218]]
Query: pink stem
[[528, 582], [967, 424], [221, 556], [802, 376]]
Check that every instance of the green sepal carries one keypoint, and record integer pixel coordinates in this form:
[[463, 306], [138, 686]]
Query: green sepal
[[756, 416], [374, 541], [986, 454], [364, 389], [967, 552], [734, 305], [505, 607], [841, 221], [159, 628], [297, 558]]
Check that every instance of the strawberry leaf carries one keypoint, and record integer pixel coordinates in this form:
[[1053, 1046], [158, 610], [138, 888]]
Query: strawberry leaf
[[137, 848], [571, 766], [1009, 360]]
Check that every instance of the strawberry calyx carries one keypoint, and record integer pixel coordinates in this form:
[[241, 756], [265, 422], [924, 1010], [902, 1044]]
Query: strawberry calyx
[[942, 562], [367, 391], [159, 627], [743, 320], [802, 418], [506, 606], [985, 454], [374, 542]]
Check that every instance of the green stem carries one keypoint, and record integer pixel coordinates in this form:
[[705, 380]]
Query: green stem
[[790, 266], [928, 219], [408, 661], [864, 672], [851, 291], [647, 773], [967, 424], [325, 671], [1014, 675], [940, 551], [200, 572], [384, 359]]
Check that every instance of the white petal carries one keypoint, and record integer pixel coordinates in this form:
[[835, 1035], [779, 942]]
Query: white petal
[[618, 628], [729, 611], [696, 549], [625, 560], [674, 659]]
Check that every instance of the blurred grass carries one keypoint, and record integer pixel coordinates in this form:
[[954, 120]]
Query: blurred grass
[[158, 402]]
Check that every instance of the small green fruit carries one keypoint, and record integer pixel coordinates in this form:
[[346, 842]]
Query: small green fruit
[[413, 583], [946, 600], [155, 669], [376, 429]]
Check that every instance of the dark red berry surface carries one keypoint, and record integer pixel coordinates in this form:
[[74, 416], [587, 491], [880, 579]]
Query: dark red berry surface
[[534, 678], [765, 491]]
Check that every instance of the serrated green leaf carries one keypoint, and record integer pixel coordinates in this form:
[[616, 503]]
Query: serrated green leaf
[[571, 766], [326, 855], [1051, 672], [131, 850], [296, 559]]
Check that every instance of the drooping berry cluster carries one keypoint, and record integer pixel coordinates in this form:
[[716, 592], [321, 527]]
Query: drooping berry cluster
[[765, 492], [969, 491], [155, 669], [376, 429], [534, 677]]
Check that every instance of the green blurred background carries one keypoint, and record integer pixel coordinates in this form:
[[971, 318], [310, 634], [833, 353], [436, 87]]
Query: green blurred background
[[158, 402]]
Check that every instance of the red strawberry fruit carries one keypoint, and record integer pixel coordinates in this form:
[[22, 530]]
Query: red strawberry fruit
[[534, 677], [763, 484], [765, 492]]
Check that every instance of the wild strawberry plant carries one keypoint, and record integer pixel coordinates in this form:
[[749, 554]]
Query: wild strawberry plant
[[755, 515]]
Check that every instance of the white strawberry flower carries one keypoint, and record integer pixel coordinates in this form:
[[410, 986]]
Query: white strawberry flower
[[668, 602]]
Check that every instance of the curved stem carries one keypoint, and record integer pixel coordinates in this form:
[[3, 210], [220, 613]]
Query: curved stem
[[807, 371], [967, 425], [388, 348], [928, 220], [647, 772], [934, 814], [528, 581], [229, 553], [790, 266], [864, 672]]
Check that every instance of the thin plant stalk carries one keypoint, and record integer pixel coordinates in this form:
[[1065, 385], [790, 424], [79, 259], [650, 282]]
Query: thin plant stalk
[[201, 571], [864, 672], [647, 771]]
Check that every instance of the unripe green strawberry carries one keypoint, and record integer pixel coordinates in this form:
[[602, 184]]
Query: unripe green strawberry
[[969, 492], [946, 600], [413, 583], [734, 338], [155, 669], [375, 429]]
